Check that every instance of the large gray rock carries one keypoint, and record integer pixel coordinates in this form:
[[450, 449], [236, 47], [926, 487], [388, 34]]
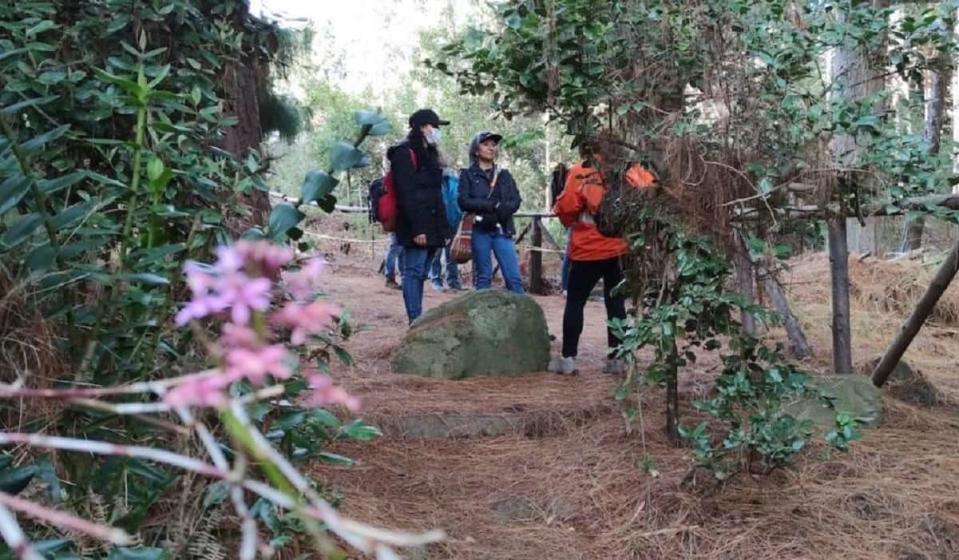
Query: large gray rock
[[488, 332], [853, 394]]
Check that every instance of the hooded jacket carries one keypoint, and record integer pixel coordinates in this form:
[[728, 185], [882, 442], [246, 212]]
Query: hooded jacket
[[419, 194]]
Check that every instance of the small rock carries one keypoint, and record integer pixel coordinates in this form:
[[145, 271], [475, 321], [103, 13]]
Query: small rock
[[514, 509]]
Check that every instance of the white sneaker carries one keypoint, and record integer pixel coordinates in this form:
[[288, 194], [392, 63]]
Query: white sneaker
[[562, 366], [615, 366]]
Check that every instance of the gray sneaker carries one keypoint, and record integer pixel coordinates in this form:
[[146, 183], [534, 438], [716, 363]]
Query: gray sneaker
[[562, 366], [615, 366]]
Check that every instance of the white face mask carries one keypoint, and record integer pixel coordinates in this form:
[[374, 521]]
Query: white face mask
[[434, 136]]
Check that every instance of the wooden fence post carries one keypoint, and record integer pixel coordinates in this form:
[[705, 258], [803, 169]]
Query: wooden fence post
[[536, 259]]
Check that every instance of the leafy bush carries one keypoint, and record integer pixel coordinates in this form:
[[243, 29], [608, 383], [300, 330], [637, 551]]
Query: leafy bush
[[113, 115]]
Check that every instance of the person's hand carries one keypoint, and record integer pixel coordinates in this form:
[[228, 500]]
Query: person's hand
[[420, 240]]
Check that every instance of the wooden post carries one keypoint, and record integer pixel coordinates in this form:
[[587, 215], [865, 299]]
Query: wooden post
[[944, 276], [536, 259], [839, 267]]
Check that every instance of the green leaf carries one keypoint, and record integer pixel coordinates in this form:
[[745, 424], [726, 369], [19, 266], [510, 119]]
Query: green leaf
[[290, 420], [12, 192], [343, 355], [345, 156], [360, 431], [35, 144], [130, 86], [317, 185], [51, 77], [215, 494], [147, 278], [335, 459], [328, 203], [283, 217], [50, 545], [45, 25], [161, 75], [155, 168], [13, 109], [326, 418], [381, 129], [74, 214], [368, 118], [41, 258], [14, 481], [21, 230], [50, 186]]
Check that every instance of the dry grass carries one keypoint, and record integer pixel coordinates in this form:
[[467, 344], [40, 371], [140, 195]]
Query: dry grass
[[882, 294], [581, 492], [27, 341]]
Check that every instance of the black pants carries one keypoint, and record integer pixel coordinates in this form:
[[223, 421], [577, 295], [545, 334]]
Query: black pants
[[583, 276]]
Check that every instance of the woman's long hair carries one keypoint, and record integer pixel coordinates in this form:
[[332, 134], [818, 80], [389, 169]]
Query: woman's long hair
[[427, 154]]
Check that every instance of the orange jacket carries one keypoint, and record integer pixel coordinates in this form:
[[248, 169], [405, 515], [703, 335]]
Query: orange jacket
[[580, 200]]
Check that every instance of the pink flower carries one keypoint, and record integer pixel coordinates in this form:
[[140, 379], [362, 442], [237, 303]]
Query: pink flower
[[199, 277], [242, 295], [227, 286], [263, 257], [238, 336], [229, 259], [325, 393], [305, 320], [199, 391], [255, 364], [303, 283], [197, 309]]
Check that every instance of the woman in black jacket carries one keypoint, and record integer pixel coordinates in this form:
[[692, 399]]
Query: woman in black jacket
[[490, 193], [421, 226]]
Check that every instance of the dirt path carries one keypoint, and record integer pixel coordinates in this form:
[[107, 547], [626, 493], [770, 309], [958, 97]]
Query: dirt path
[[564, 481]]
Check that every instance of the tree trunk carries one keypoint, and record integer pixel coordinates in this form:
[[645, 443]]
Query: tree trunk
[[240, 85], [944, 276], [798, 346], [854, 77], [744, 285], [839, 268]]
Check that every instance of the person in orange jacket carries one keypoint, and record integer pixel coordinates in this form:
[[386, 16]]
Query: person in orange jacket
[[593, 256]]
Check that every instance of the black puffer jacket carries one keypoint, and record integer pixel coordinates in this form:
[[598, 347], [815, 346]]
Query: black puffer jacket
[[475, 197], [419, 193]]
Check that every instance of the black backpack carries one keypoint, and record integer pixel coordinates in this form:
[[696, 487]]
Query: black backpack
[[375, 191]]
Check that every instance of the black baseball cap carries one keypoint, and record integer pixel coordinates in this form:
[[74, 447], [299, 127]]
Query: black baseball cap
[[426, 116], [487, 135]]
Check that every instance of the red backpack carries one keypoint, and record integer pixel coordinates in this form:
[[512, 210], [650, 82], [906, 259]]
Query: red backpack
[[383, 203]]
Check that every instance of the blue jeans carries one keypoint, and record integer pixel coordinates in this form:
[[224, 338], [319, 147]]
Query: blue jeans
[[394, 253], [452, 271], [486, 243], [415, 261]]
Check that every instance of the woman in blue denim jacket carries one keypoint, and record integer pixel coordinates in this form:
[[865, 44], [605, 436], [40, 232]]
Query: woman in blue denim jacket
[[490, 193]]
